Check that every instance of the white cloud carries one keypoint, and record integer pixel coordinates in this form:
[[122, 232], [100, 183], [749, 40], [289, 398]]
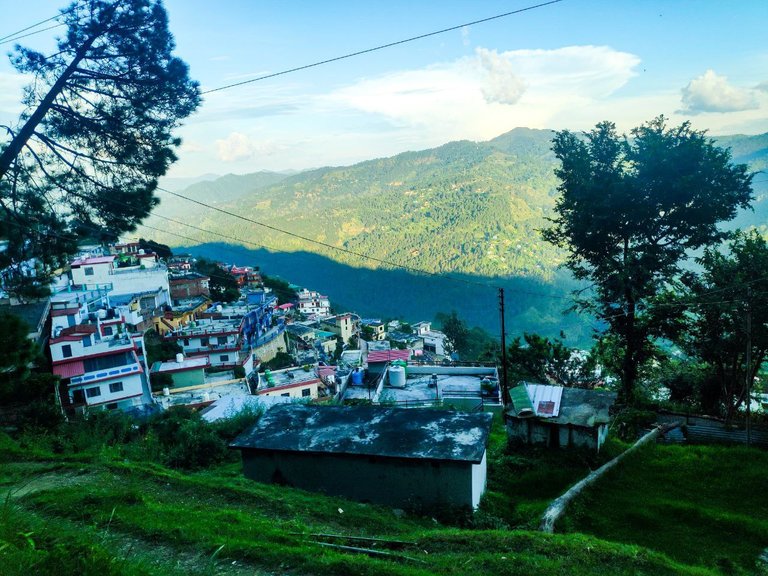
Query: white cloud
[[235, 147], [712, 93], [481, 96], [499, 84]]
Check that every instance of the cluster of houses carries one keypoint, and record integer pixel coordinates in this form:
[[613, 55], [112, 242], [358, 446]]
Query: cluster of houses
[[382, 400]]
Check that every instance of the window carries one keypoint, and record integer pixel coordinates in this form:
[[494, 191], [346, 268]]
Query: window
[[203, 341], [186, 341], [66, 351], [116, 387], [285, 394], [78, 397], [93, 392], [224, 358], [88, 270], [87, 341], [306, 392], [107, 330], [112, 406]]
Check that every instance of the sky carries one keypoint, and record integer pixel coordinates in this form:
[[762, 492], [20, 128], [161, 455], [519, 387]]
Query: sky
[[567, 65]]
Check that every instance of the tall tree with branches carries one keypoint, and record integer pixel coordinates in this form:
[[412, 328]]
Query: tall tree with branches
[[630, 211], [96, 133]]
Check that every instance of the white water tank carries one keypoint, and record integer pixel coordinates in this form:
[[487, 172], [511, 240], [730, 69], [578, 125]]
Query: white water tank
[[166, 391], [206, 397], [397, 376], [219, 308], [179, 358]]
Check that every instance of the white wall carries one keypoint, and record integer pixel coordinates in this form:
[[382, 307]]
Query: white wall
[[479, 477]]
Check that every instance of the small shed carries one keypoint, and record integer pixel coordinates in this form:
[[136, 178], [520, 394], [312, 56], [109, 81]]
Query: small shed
[[559, 416], [407, 458]]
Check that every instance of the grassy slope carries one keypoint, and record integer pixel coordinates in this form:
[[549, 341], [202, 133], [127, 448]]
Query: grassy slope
[[99, 503], [124, 517], [699, 505]]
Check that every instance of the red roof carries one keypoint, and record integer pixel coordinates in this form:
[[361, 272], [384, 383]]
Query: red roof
[[70, 369], [388, 355]]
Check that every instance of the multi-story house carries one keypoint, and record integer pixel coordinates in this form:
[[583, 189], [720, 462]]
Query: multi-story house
[[434, 340], [343, 325], [313, 304], [217, 339], [189, 285], [100, 364]]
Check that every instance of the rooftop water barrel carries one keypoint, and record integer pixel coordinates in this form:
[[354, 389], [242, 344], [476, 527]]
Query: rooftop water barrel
[[357, 377], [179, 358], [397, 376]]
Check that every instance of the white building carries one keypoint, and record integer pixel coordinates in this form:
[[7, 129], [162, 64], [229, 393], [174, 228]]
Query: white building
[[100, 364], [313, 303], [434, 340], [121, 275]]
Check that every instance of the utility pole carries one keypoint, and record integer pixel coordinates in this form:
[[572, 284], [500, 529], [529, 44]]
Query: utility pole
[[748, 362], [504, 384]]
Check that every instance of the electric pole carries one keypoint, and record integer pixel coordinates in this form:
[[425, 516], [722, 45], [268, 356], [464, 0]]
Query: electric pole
[[504, 384], [748, 362]]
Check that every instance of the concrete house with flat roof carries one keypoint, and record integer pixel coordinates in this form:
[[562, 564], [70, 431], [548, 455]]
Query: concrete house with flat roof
[[405, 458]]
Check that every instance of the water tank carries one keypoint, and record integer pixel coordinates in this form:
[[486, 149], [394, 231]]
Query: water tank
[[357, 377], [397, 376], [166, 391], [179, 358], [206, 397], [219, 308], [102, 313]]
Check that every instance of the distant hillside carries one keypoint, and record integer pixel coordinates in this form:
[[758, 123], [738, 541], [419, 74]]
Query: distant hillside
[[463, 207], [472, 209]]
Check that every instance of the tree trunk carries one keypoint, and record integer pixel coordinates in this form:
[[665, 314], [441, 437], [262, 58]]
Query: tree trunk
[[558, 506], [20, 139]]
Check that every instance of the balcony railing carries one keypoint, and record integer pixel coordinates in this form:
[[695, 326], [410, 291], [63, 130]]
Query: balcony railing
[[107, 373]]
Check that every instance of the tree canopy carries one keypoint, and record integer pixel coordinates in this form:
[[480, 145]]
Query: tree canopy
[[630, 210], [730, 287], [96, 132]]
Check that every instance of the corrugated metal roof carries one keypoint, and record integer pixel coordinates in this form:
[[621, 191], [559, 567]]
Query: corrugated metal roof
[[545, 399], [70, 369], [388, 355]]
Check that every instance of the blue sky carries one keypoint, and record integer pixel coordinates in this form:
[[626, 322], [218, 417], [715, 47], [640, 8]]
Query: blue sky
[[568, 65]]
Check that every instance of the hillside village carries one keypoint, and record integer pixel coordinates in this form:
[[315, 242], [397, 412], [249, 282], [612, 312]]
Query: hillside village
[[94, 323]]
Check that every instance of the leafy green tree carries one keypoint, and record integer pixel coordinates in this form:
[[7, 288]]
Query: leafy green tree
[[456, 331], [96, 132], [18, 354], [536, 358], [158, 349], [281, 288], [730, 286], [162, 250], [222, 284], [630, 210]]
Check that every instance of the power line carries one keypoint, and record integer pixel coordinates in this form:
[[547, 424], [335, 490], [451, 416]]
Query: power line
[[7, 36], [31, 34], [390, 263], [382, 46]]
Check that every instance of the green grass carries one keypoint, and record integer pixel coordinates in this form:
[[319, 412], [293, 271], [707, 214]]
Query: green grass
[[698, 504], [664, 510]]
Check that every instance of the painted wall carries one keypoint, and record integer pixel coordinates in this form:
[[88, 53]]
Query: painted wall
[[413, 484]]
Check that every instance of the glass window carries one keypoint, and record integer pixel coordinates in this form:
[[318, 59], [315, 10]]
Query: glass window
[[286, 394], [116, 387], [224, 358], [306, 392], [107, 330], [86, 341], [88, 270], [93, 392], [66, 351], [203, 341]]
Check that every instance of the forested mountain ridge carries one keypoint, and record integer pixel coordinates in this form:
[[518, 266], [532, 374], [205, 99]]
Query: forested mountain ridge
[[468, 207], [472, 207]]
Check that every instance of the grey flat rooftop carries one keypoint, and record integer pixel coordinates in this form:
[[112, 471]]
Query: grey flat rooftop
[[371, 431], [417, 387]]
